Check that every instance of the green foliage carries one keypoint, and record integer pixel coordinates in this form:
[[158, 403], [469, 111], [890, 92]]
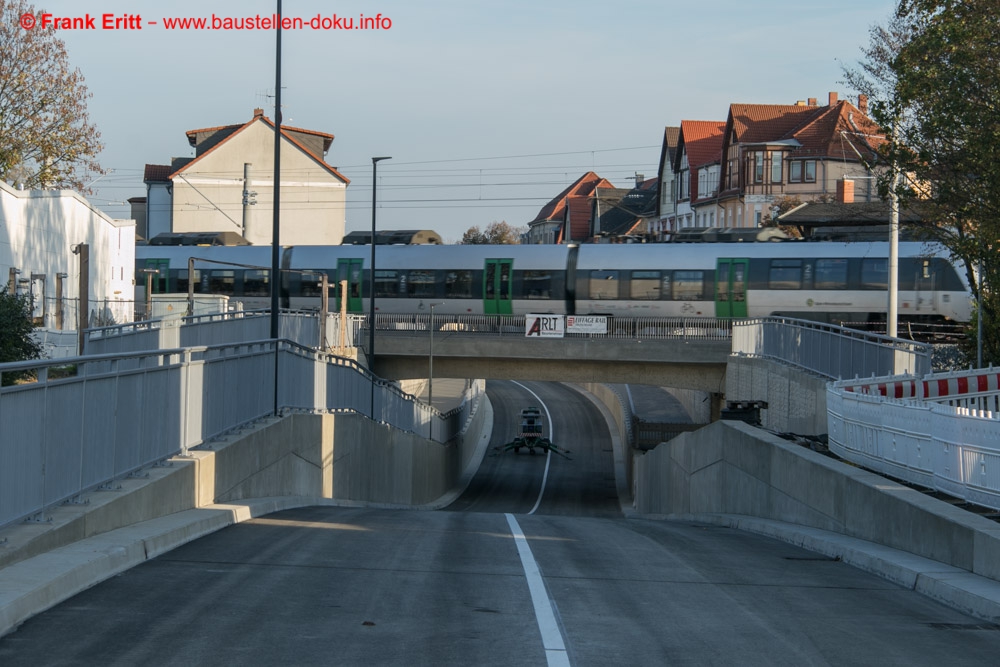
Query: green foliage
[[498, 233], [46, 139], [934, 73], [16, 343]]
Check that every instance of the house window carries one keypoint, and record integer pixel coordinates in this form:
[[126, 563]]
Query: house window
[[776, 157], [802, 171], [758, 166]]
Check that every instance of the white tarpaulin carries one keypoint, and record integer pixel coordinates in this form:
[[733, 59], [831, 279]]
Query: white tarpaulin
[[587, 324], [544, 326]]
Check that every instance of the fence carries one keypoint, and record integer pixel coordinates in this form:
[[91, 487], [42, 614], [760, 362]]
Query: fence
[[302, 327], [832, 351], [649, 328], [89, 420], [941, 431]]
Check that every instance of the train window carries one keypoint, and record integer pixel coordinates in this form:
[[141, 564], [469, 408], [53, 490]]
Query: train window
[[221, 281], [458, 285], [831, 274], [256, 283], [785, 274], [309, 284], [603, 284], [537, 284], [386, 284], [182, 280], [420, 284], [874, 273], [689, 285], [645, 285]]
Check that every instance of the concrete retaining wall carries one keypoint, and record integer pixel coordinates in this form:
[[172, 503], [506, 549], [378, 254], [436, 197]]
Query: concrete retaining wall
[[733, 468], [796, 398], [338, 456]]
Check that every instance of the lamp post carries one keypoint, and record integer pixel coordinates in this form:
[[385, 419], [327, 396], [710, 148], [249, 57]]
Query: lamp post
[[430, 362], [371, 287]]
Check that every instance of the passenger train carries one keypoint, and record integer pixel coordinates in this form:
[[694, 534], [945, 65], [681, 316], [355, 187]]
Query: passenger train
[[821, 281]]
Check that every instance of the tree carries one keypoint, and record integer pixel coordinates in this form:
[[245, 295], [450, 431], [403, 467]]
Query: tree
[[16, 343], [935, 74], [46, 139], [497, 233]]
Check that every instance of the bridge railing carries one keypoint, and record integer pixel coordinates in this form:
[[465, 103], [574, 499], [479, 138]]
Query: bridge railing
[[829, 350], [940, 431], [648, 328], [85, 421], [303, 327]]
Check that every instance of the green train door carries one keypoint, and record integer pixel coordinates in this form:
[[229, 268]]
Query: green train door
[[351, 271], [731, 288], [496, 286], [160, 280]]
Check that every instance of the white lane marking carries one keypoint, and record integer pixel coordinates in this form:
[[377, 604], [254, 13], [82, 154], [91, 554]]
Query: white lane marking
[[552, 637], [548, 454]]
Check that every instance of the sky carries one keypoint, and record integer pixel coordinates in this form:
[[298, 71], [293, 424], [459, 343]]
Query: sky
[[488, 109]]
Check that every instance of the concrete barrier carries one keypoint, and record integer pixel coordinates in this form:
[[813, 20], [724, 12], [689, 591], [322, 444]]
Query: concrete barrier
[[324, 456], [796, 398], [731, 468]]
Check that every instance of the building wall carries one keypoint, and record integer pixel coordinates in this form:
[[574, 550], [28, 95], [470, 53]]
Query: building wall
[[208, 195], [38, 230], [158, 209]]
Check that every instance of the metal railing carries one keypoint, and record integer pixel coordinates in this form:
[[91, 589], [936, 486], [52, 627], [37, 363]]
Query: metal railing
[[643, 328], [86, 421], [829, 350], [941, 431], [303, 327]]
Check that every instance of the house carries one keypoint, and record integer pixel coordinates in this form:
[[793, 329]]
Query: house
[[569, 215], [697, 164], [228, 186], [666, 197], [47, 237], [800, 151], [622, 215]]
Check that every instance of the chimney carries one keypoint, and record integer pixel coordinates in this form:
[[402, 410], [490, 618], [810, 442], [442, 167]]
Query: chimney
[[833, 98], [845, 191], [812, 101], [863, 103], [257, 113], [800, 103], [639, 178]]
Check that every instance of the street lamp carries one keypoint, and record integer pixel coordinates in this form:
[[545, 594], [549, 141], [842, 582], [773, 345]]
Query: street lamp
[[371, 288], [371, 277], [430, 362]]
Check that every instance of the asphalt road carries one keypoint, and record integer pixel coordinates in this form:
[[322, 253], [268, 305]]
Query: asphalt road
[[342, 586]]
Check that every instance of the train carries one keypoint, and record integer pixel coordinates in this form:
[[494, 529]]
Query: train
[[830, 282]]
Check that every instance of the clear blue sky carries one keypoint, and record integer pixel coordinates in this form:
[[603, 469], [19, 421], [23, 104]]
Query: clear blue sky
[[452, 88]]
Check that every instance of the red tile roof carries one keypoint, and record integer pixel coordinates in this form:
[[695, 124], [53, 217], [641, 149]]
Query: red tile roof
[[555, 210], [156, 173], [702, 141]]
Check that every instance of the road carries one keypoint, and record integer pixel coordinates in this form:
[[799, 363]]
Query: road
[[348, 586]]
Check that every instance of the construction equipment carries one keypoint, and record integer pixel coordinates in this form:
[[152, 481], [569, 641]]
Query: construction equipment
[[530, 435]]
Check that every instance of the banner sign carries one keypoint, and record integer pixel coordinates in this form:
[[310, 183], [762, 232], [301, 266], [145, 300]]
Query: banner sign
[[544, 326], [587, 324]]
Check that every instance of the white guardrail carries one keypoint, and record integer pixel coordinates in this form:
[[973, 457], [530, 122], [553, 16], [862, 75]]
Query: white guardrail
[[940, 431], [89, 420]]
